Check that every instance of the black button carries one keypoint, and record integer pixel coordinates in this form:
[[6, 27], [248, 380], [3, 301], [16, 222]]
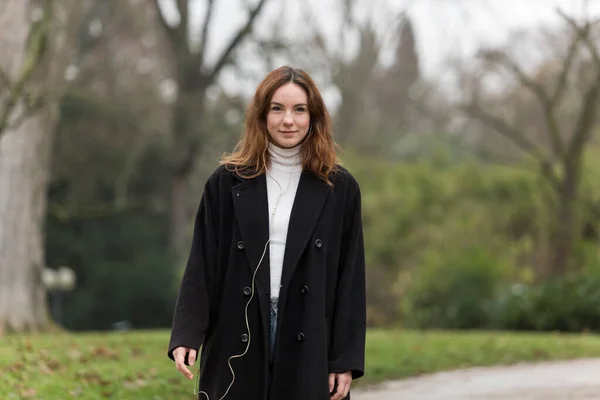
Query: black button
[[304, 289], [300, 337], [240, 245], [247, 291], [318, 243], [244, 338]]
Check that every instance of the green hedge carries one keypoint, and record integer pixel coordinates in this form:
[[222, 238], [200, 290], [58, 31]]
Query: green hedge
[[447, 243], [122, 267]]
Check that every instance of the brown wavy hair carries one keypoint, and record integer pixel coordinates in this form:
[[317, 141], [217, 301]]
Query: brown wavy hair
[[251, 158]]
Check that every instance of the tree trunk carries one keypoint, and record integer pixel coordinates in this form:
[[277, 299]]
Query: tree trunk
[[565, 229], [23, 179], [187, 120], [24, 165], [179, 217], [25, 148]]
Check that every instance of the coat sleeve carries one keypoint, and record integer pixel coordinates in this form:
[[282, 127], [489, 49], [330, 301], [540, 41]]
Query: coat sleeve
[[191, 318], [349, 319]]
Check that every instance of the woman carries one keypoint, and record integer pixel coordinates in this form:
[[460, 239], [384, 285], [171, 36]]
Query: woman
[[274, 287]]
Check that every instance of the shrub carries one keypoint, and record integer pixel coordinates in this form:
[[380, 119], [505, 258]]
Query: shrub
[[452, 290], [566, 304]]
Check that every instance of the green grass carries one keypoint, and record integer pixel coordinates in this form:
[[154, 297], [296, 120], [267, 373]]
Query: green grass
[[134, 365], [400, 354]]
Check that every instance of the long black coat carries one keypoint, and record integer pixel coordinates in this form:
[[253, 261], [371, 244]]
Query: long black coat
[[321, 318]]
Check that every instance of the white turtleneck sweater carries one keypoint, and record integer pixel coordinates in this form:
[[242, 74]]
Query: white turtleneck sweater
[[283, 177]]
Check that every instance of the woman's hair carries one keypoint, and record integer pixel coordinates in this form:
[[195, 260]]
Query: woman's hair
[[251, 156]]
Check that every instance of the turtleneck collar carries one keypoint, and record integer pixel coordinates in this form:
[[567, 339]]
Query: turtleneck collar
[[285, 157]]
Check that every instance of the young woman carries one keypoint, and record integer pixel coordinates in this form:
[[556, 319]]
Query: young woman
[[274, 287]]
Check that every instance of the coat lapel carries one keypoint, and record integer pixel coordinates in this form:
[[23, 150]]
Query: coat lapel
[[309, 200], [252, 209]]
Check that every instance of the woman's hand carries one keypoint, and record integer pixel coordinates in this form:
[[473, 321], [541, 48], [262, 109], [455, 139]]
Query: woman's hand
[[343, 384], [179, 356]]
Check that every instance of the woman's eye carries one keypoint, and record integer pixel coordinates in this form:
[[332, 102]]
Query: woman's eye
[[275, 108], [300, 109]]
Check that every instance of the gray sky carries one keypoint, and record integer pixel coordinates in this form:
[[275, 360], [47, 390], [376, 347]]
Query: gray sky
[[443, 27], [463, 28]]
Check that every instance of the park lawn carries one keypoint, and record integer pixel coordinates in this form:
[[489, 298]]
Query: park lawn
[[134, 365]]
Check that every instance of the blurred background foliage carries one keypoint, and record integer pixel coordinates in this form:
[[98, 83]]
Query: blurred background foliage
[[451, 244]]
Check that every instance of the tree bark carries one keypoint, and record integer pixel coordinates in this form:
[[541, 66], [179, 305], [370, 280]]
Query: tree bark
[[565, 229], [24, 165], [23, 178]]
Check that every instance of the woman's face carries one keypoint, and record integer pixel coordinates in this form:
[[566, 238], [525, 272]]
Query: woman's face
[[288, 119]]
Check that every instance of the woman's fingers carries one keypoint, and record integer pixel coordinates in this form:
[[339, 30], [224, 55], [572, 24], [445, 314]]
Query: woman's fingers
[[192, 357], [331, 382], [345, 388], [343, 385], [179, 356]]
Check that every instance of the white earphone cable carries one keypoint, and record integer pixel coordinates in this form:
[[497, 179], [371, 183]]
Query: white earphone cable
[[197, 380]]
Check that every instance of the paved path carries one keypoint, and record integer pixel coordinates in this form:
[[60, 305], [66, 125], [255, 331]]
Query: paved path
[[568, 380]]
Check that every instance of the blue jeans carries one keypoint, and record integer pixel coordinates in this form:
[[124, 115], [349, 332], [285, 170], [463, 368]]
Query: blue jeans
[[274, 303]]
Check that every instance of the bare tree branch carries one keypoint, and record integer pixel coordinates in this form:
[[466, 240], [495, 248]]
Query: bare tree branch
[[172, 33], [511, 133], [584, 125], [585, 121], [515, 136], [503, 128], [317, 44], [584, 33], [568, 64], [502, 59], [560, 88], [204, 32], [547, 104], [183, 6], [241, 35]]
